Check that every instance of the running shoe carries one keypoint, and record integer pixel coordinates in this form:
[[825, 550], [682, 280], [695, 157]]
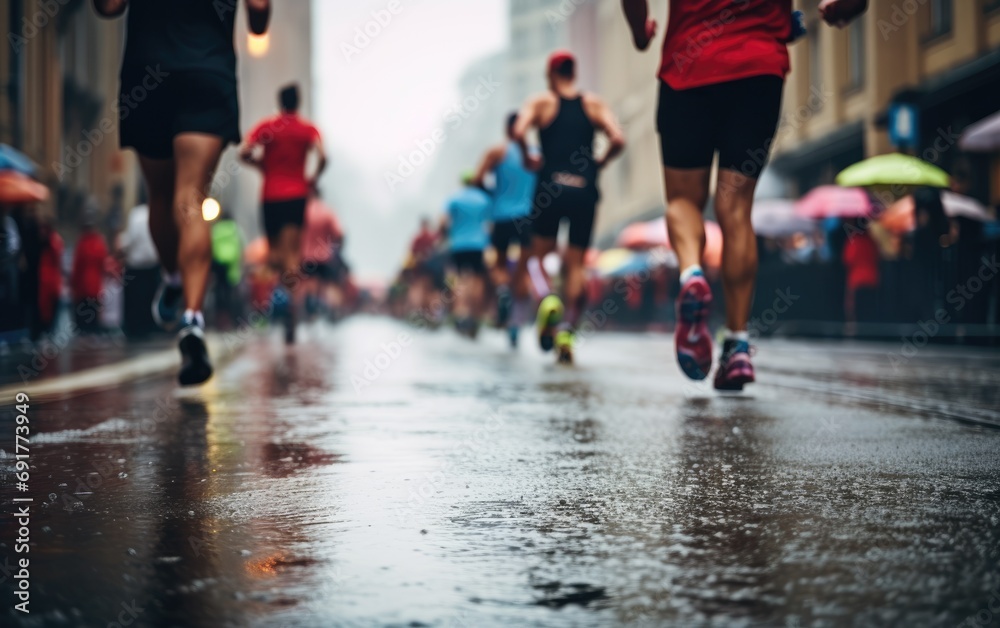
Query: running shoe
[[550, 313], [692, 339], [167, 305], [565, 340], [735, 368], [196, 368]]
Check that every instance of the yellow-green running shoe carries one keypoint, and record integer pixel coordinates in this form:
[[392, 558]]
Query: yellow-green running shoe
[[565, 339], [550, 313]]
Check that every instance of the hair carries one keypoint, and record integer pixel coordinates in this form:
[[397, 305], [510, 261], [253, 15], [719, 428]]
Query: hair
[[565, 69], [289, 97], [511, 121]]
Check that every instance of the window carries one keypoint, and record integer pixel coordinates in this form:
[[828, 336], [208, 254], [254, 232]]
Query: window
[[940, 13], [856, 54]]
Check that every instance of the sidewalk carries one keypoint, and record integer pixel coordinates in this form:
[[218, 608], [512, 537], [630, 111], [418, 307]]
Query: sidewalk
[[99, 361]]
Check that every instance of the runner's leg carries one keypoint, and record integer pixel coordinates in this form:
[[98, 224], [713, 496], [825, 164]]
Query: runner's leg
[[159, 175], [733, 202], [575, 284], [196, 155], [687, 193]]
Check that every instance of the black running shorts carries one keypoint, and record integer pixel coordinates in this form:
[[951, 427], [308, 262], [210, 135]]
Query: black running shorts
[[154, 109], [468, 262], [555, 203], [738, 119], [279, 214], [507, 233]]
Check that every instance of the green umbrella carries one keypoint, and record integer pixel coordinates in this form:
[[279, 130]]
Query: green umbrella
[[893, 169]]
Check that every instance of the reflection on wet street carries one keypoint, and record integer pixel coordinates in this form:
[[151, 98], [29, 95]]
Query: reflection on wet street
[[350, 481]]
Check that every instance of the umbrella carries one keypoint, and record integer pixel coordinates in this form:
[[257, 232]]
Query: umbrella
[[831, 201], [893, 169], [13, 159], [613, 259], [983, 136], [18, 188], [644, 235], [899, 218], [776, 217]]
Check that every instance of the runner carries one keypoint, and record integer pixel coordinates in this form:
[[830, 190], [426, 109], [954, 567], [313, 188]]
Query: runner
[[513, 192], [179, 109], [467, 215], [566, 120], [720, 91], [280, 146]]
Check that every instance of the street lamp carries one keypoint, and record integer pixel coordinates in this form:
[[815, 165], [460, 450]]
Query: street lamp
[[210, 209], [258, 45]]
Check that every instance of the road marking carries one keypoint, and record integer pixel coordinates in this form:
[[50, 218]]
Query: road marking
[[111, 375]]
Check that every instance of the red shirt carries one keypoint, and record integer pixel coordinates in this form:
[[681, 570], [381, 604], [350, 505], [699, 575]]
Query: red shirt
[[287, 140], [423, 244], [717, 41], [861, 260]]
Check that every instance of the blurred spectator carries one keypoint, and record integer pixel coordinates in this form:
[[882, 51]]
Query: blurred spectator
[[227, 268], [87, 279], [50, 277], [931, 235], [861, 262], [321, 241], [10, 253], [424, 242], [142, 272]]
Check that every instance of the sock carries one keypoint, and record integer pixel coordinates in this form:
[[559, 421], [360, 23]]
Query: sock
[[172, 279], [191, 316], [538, 278], [690, 272], [729, 334]]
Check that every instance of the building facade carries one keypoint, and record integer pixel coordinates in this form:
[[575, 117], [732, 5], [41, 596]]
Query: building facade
[[59, 71]]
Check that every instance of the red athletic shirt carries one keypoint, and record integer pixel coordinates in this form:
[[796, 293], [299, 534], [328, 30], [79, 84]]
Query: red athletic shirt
[[716, 41], [286, 139]]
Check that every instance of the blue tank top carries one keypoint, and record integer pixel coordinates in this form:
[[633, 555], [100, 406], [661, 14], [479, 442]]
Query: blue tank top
[[515, 187], [469, 211]]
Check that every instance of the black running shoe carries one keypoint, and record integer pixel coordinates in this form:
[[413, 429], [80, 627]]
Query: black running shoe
[[196, 368]]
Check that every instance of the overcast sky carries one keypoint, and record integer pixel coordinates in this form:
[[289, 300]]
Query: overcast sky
[[375, 99]]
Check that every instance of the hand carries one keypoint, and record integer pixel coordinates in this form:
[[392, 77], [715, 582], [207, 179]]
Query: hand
[[533, 162], [643, 38], [839, 13]]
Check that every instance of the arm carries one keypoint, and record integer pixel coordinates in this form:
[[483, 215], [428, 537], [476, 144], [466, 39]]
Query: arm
[[248, 154], [258, 15], [489, 163], [840, 13], [604, 119], [643, 28], [321, 166], [526, 119], [110, 8]]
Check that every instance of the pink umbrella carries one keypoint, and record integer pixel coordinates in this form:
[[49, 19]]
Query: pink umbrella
[[831, 200], [645, 235]]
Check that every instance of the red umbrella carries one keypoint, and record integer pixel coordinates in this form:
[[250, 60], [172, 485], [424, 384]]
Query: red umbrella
[[17, 188]]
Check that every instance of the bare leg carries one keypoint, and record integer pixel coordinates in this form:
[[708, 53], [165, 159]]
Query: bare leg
[[733, 203], [575, 280], [196, 155], [687, 193], [159, 175], [541, 247], [288, 260]]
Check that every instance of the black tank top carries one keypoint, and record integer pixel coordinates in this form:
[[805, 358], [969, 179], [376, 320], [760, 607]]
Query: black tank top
[[181, 35], [568, 143]]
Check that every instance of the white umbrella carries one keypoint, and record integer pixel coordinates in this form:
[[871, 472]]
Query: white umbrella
[[774, 217], [983, 136], [959, 205]]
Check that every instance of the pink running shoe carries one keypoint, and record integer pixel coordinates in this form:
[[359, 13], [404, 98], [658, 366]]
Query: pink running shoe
[[692, 339], [735, 369]]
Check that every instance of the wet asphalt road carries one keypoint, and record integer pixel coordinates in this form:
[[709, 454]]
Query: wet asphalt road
[[469, 486]]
